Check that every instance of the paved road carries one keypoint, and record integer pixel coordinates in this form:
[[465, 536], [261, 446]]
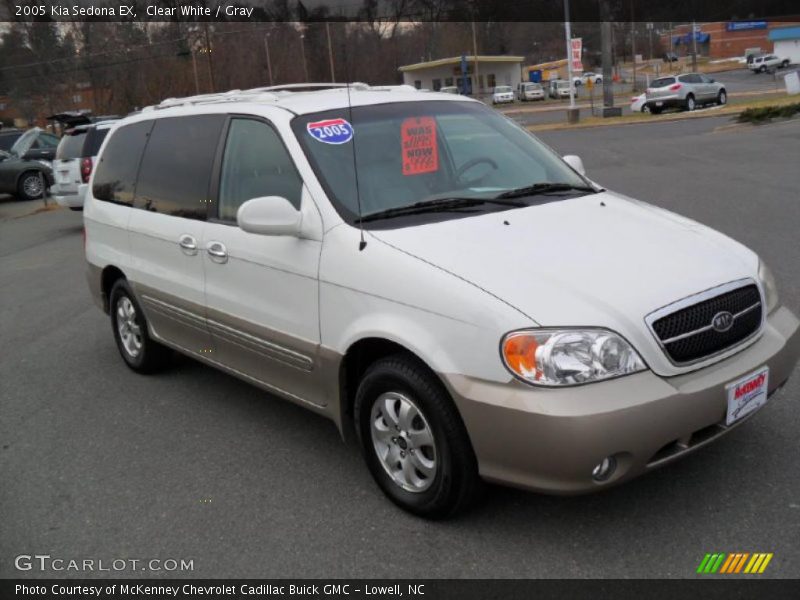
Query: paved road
[[97, 462], [741, 83]]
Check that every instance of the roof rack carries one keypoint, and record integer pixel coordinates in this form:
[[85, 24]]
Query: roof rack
[[274, 93]]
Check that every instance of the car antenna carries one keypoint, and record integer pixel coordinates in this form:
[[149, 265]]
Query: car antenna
[[362, 243]]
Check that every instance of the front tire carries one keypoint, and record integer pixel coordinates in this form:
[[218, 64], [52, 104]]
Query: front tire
[[31, 185], [139, 351], [413, 440], [722, 97]]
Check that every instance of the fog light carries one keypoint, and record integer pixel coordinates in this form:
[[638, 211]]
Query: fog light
[[605, 469]]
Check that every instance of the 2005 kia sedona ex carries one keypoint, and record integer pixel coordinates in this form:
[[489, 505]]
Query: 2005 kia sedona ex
[[435, 280]]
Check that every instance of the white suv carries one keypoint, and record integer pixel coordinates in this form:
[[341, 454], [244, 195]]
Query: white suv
[[75, 158], [767, 62], [428, 275]]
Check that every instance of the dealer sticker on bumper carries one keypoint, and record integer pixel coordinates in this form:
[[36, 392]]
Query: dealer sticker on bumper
[[746, 395]]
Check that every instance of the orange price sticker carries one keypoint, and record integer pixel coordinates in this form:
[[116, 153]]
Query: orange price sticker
[[418, 141]]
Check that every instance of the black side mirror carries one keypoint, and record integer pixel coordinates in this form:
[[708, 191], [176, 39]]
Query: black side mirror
[[40, 154]]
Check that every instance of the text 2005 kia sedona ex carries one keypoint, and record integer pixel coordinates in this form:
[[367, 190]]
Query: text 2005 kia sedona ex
[[436, 281]]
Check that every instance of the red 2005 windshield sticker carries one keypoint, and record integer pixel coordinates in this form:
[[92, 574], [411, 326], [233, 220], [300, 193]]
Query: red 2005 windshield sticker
[[418, 139]]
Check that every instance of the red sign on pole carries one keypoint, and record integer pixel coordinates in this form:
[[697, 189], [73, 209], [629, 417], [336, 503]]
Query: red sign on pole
[[576, 49]]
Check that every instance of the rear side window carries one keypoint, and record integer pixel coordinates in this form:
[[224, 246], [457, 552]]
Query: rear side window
[[663, 82], [176, 167], [115, 178], [94, 139], [70, 145]]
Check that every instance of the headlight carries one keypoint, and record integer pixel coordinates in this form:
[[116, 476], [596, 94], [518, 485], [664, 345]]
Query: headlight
[[554, 357], [769, 285]]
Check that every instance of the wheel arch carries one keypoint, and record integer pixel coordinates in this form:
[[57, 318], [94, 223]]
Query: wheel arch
[[359, 356], [108, 278]]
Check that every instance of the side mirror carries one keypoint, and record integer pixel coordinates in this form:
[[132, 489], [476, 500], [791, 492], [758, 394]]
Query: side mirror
[[269, 215], [575, 162]]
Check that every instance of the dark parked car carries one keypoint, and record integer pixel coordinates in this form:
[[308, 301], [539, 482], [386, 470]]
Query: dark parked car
[[25, 169], [670, 57], [8, 137]]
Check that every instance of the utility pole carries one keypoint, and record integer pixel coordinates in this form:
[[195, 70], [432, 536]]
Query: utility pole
[[209, 61], [568, 35], [303, 52], [194, 68], [477, 87], [633, 48], [330, 51], [605, 46], [694, 39], [269, 60]]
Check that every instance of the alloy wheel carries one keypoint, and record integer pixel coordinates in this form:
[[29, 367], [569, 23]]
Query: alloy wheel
[[32, 186], [130, 332], [403, 442]]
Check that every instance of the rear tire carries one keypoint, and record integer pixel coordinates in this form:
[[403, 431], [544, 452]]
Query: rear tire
[[762, 69], [139, 351], [656, 110], [784, 64], [413, 440], [31, 186], [691, 103]]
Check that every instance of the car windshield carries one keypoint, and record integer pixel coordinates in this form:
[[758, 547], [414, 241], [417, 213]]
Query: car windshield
[[25, 142], [663, 82], [502, 88], [563, 84], [414, 152], [71, 145]]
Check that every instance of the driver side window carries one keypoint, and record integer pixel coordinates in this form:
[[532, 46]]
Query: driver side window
[[255, 164]]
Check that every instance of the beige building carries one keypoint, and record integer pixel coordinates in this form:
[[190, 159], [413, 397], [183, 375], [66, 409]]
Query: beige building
[[447, 72]]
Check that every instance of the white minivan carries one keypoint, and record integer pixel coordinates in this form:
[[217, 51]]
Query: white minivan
[[435, 280]]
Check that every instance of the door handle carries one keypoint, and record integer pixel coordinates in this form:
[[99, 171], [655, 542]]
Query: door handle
[[188, 244], [217, 252]]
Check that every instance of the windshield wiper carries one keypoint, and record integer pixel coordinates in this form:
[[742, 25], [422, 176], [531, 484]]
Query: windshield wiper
[[544, 188], [438, 205]]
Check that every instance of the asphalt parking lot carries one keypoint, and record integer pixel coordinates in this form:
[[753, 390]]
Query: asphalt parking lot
[[98, 462]]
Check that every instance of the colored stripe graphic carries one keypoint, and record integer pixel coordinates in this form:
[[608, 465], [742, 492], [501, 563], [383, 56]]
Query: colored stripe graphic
[[703, 563], [735, 562], [766, 562], [741, 562], [727, 564]]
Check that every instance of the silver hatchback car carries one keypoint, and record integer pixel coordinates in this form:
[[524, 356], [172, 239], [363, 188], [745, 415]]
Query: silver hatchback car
[[687, 91]]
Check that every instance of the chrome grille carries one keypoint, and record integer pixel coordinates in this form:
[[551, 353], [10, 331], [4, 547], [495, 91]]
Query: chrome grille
[[686, 330]]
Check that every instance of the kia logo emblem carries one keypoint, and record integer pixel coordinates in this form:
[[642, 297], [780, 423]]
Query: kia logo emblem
[[722, 321]]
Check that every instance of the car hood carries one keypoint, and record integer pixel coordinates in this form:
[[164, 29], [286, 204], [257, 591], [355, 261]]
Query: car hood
[[599, 260]]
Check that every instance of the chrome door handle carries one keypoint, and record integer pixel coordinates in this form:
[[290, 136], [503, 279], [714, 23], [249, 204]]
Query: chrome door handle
[[217, 251], [188, 244]]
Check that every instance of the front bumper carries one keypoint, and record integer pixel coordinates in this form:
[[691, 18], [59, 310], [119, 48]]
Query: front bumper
[[549, 440]]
